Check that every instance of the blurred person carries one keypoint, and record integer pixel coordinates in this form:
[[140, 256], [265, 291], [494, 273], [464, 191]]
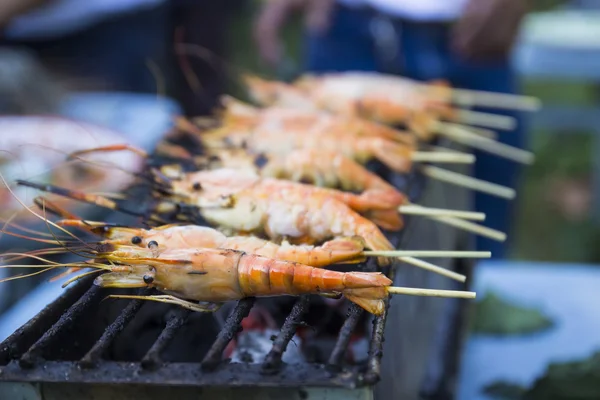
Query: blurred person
[[465, 42], [100, 43], [200, 43]]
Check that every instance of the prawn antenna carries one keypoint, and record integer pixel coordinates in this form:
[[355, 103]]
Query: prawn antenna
[[48, 222], [121, 147], [94, 199], [47, 266]]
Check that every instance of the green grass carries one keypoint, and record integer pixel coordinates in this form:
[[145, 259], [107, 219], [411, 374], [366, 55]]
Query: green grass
[[542, 232]]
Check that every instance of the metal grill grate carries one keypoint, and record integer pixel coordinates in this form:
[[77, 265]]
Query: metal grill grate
[[23, 360], [23, 354]]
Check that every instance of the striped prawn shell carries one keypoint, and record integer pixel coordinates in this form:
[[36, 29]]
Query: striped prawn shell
[[260, 276]]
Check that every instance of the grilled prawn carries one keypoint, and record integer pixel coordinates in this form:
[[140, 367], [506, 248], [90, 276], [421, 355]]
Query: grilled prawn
[[282, 131], [375, 97], [389, 99], [168, 237], [282, 208], [321, 168], [217, 276], [239, 115]]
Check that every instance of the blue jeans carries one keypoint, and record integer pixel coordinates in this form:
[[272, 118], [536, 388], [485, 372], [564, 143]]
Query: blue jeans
[[424, 54]]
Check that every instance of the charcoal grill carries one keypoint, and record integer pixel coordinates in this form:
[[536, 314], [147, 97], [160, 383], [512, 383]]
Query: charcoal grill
[[74, 348]]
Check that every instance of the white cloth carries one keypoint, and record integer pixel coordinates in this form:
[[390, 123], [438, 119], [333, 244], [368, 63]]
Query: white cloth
[[418, 10], [61, 17]]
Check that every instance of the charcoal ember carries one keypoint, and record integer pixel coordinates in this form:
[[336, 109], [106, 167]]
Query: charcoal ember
[[253, 346]]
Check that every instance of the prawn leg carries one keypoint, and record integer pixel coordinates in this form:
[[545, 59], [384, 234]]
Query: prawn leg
[[335, 295], [209, 307], [110, 148]]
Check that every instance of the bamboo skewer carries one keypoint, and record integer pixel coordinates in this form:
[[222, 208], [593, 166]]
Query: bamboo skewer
[[428, 253], [432, 147], [487, 120], [469, 182], [434, 268], [469, 98], [473, 228], [459, 134], [408, 256], [443, 157], [414, 209], [431, 292], [480, 132]]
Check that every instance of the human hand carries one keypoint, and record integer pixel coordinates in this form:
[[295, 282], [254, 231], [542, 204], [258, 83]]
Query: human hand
[[273, 16], [488, 28]]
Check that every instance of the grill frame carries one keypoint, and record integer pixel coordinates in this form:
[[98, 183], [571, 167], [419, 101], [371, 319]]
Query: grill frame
[[21, 353]]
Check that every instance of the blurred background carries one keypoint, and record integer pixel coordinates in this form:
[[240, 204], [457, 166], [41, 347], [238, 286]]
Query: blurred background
[[130, 65]]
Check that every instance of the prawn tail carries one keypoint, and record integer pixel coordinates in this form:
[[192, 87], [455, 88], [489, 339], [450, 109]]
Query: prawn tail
[[93, 199], [396, 156], [345, 250], [386, 219], [262, 91], [421, 124], [237, 111], [370, 299], [376, 240], [385, 198]]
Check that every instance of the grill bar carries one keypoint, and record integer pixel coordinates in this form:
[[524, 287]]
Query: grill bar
[[25, 336], [152, 358], [376, 347], [335, 359], [272, 363], [64, 323], [90, 360], [180, 374], [231, 327]]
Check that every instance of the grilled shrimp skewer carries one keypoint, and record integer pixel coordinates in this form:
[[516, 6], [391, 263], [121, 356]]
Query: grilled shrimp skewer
[[387, 98], [340, 250], [320, 168], [436, 92], [240, 116], [323, 168], [336, 251], [280, 208], [391, 100], [217, 276]]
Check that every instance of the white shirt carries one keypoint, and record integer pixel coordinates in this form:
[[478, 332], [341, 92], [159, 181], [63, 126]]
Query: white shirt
[[418, 10], [61, 17]]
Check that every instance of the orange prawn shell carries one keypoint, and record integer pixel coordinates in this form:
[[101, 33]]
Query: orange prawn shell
[[209, 275], [218, 275]]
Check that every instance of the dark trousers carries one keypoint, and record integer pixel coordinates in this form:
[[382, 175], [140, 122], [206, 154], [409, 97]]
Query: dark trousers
[[112, 54], [423, 53]]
